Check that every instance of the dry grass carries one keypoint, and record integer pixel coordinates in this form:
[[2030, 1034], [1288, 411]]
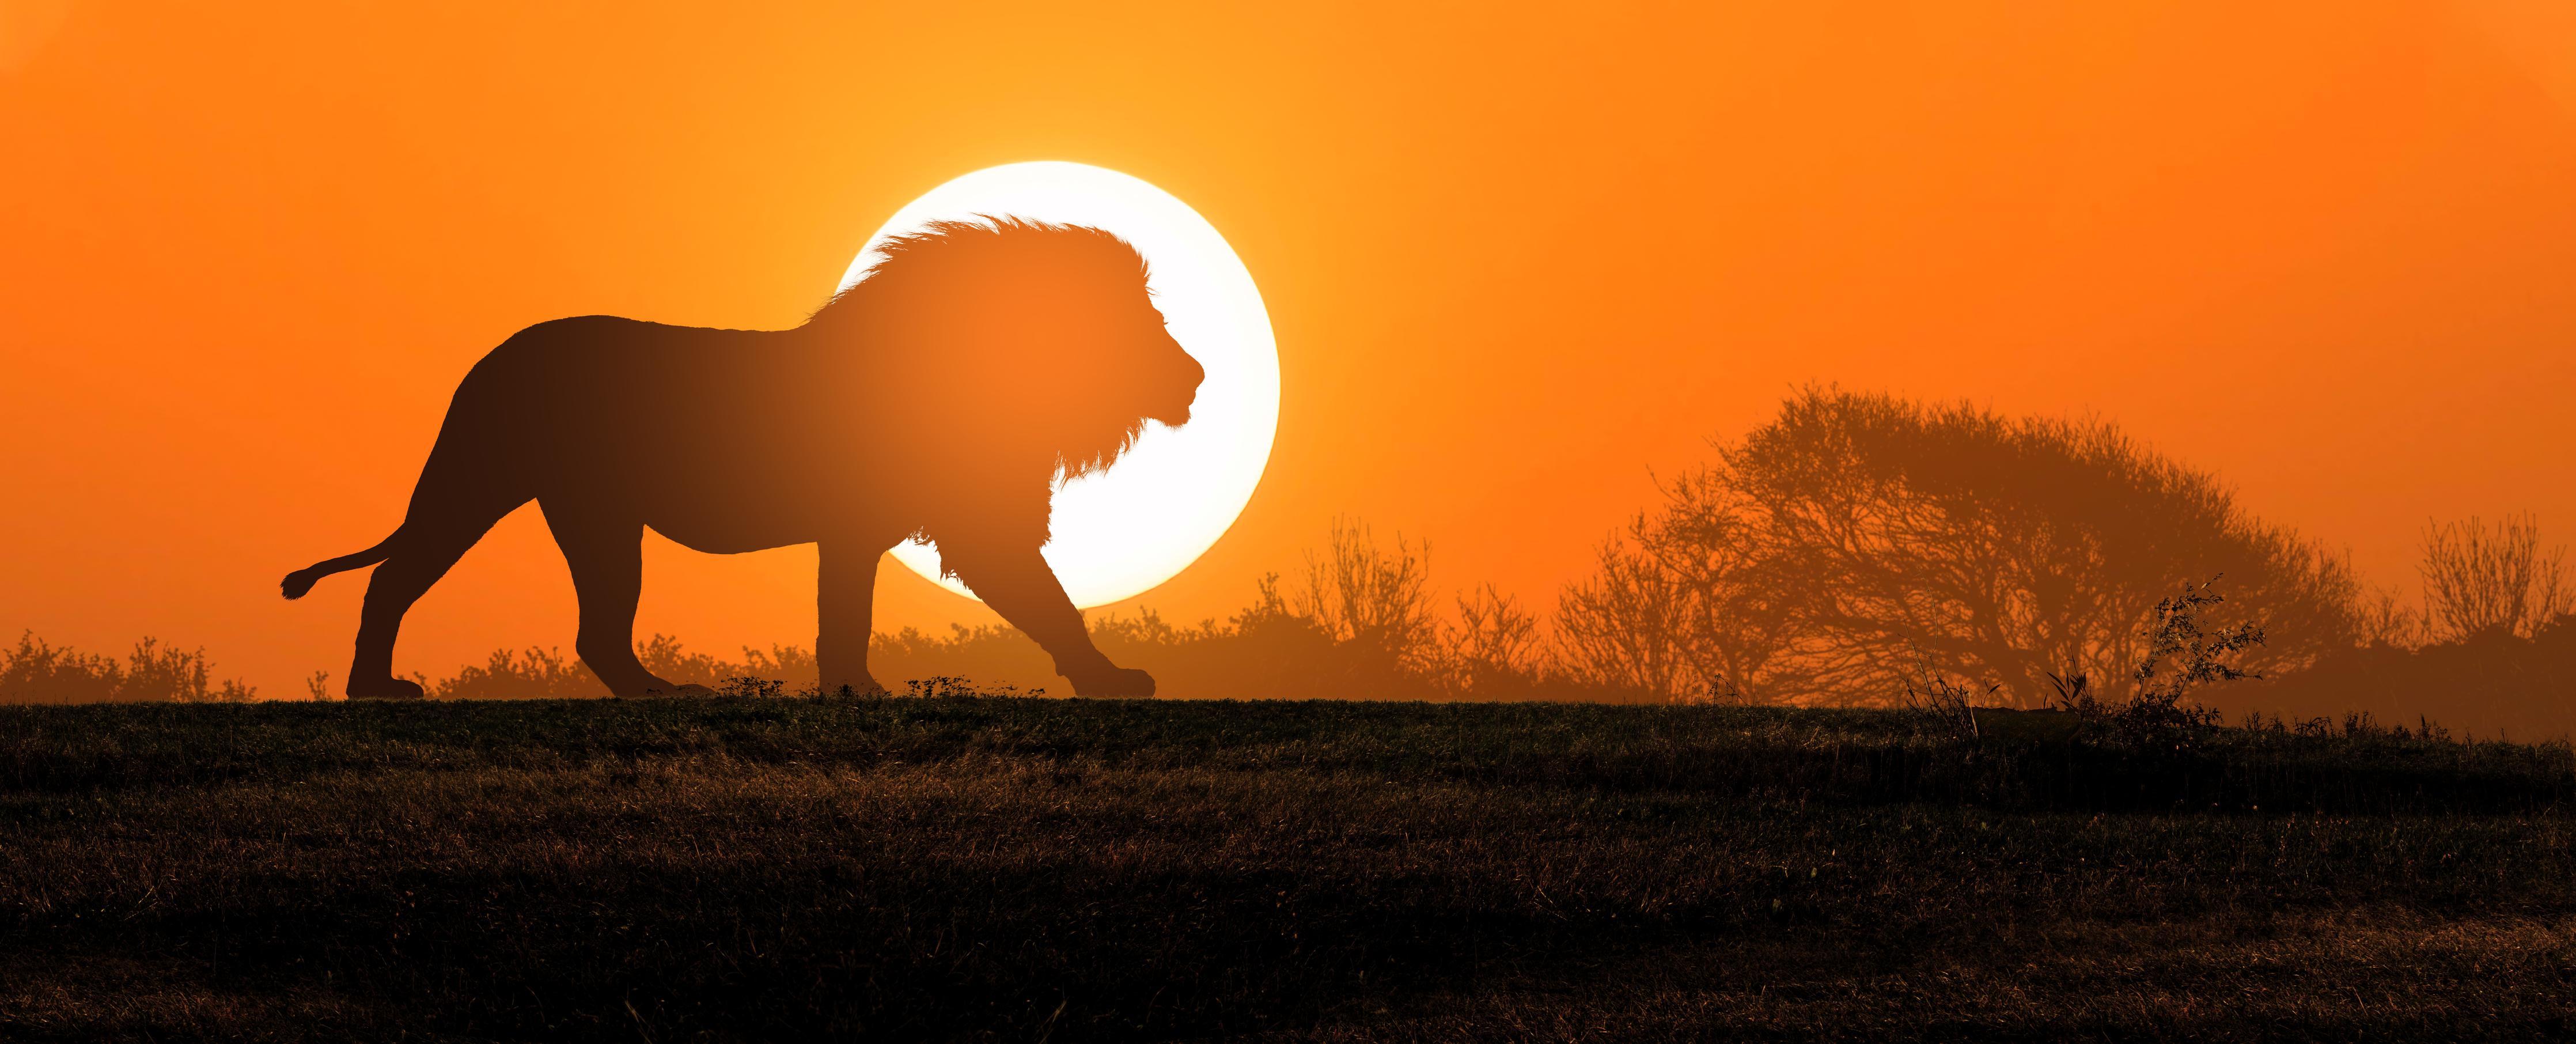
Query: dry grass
[[1022, 869]]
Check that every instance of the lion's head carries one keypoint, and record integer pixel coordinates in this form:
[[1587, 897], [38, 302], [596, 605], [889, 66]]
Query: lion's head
[[1043, 335]]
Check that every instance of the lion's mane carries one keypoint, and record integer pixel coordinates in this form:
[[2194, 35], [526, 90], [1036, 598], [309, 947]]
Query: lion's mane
[[1074, 415]]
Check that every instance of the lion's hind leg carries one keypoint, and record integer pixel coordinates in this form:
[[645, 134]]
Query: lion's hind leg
[[606, 556], [450, 510], [418, 561]]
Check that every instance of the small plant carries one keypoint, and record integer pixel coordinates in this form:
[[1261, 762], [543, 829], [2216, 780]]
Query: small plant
[[815, 691], [747, 687], [2075, 694], [2181, 656], [2189, 657], [937, 686], [2197, 657], [1711, 695], [940, 686], [1944, 706]]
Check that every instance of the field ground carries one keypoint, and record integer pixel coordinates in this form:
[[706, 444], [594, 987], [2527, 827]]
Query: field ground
[[792, 869]]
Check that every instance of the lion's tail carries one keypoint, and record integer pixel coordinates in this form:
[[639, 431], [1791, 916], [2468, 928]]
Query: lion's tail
[[302, 580]]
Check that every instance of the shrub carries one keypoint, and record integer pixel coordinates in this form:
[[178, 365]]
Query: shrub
[[1833, 554], [2480, 578], [36, 672]]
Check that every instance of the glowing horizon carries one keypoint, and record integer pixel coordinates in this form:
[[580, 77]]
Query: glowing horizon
[[1521, 267]]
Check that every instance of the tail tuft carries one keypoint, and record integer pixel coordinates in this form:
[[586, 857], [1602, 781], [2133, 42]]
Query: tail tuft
[[299, 582]]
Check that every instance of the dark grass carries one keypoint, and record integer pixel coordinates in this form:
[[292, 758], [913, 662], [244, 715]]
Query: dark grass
[[1098, 870]]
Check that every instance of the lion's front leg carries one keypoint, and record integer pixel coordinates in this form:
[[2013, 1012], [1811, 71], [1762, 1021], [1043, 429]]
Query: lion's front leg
[[845, 608], [1018, 584]]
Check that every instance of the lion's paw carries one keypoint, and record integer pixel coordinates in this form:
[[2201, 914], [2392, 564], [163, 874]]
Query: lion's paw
[[387, 689], [1115, 682]]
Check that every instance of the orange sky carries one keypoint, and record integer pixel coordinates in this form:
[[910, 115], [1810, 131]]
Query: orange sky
[[1516, 261]]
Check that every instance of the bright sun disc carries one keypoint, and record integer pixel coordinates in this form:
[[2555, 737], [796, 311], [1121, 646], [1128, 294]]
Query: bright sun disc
[[1122, 531]]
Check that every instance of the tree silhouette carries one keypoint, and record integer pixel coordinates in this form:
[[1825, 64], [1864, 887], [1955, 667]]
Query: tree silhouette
[[2480, 578], [1359, 592], [1858, 541], [2490, 651], [1625, 627], [1680, 607]]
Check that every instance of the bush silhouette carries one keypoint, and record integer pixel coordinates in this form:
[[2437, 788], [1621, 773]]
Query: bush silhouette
[[2480, 578], [1857, 541], [37, 672], [2491, 649]]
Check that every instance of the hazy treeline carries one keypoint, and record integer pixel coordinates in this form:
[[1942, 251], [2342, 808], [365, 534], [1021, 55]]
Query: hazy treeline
[[37, 672], [2490, 645], [1856, 549]]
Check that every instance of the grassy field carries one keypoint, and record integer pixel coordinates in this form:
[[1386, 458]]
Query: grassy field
[[792, 869]]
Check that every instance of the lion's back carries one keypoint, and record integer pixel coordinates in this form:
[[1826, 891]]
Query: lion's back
[[593, 364], [596, 389]]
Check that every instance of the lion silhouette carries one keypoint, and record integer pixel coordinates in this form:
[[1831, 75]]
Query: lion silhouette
[[939, 398]]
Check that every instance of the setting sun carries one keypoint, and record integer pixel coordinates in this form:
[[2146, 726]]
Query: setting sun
[[1120, 532]]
